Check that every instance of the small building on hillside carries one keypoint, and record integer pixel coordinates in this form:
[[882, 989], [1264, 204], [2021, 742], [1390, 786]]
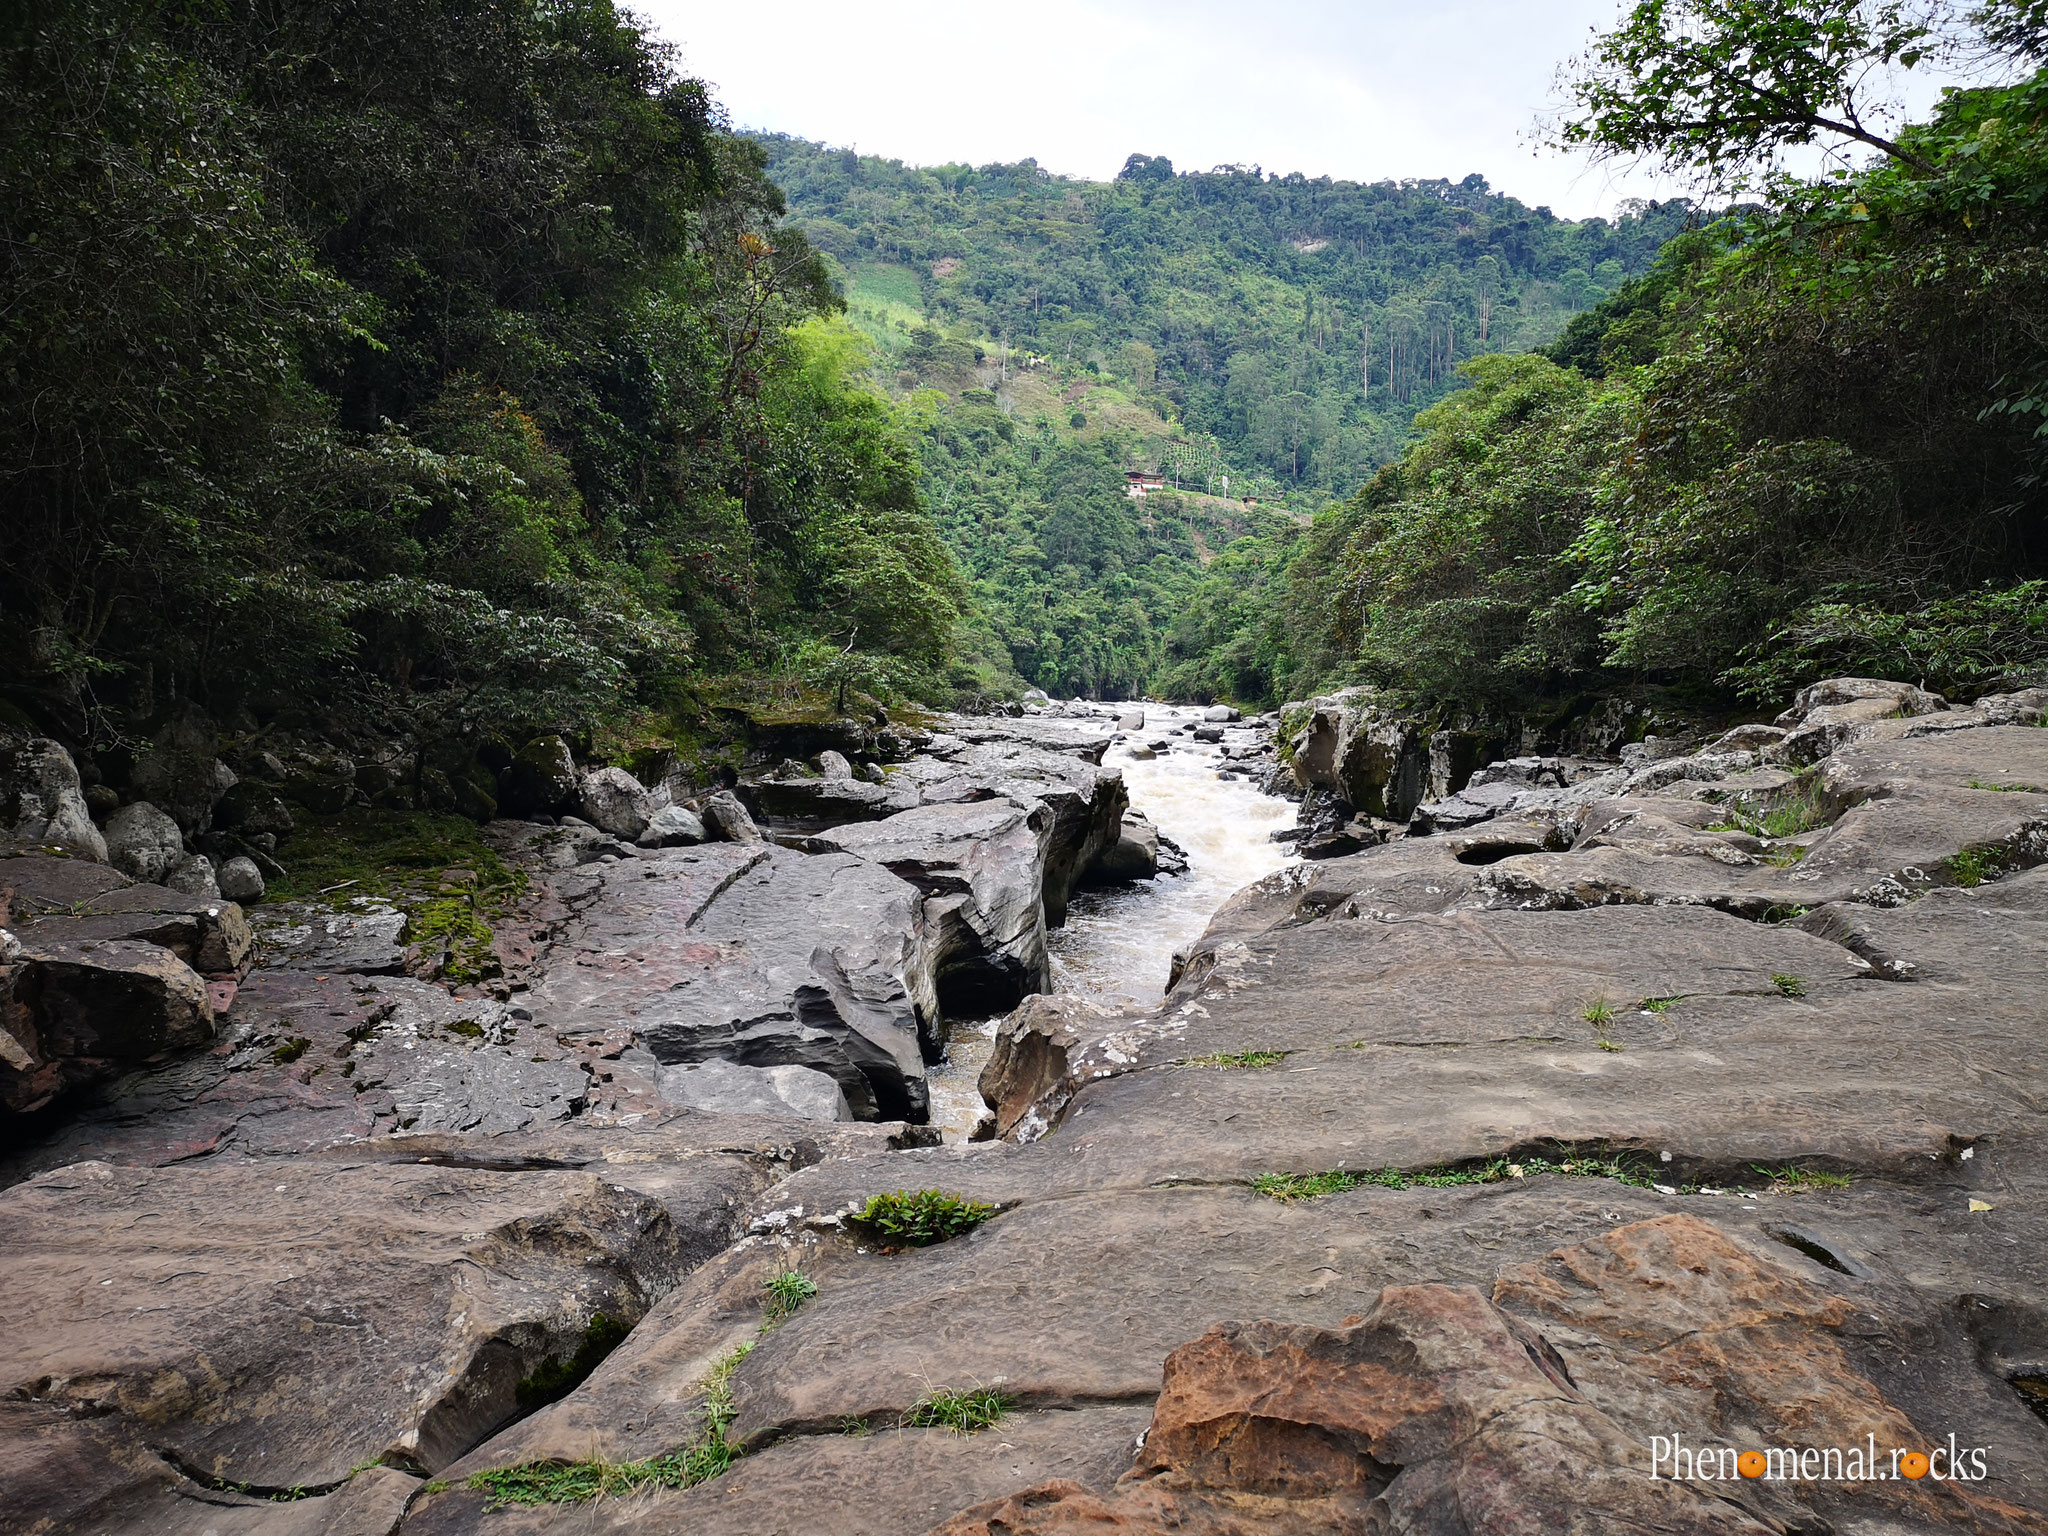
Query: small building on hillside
[[1138, 485]]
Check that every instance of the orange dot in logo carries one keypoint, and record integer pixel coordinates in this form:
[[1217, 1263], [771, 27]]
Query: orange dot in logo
[[1913, 1464], [1750, 1463]]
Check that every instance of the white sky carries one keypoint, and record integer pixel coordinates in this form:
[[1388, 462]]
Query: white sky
[[1366, 90]]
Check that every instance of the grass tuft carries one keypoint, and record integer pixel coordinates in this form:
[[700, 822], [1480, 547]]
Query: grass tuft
[[1788, 986], [917, 1219], [1291, 1187], [1658, 1004], [1288, 1188], [576, 1482], [962, 1411], [1794, 1180], [1241, 1059], [788, 1290]]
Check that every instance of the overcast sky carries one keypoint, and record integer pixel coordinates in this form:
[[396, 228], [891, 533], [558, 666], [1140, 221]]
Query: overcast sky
[[1364, 90]]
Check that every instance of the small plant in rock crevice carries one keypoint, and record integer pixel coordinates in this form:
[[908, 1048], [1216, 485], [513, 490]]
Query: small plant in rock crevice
[[787, 1290], [1252, 1059], [963, 1411], [1658, 1005], [917, 1219], [1288, 1188], [1787, 985], [1974, 866], [554, 1482], [1794, 1180]]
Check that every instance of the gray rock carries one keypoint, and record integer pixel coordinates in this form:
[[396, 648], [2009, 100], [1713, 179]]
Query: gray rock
[[1036, 696], [78, 1012], [1221, 714], [365, 939], [144, 842], [252, 809], [1131, 720], [1135, 855], [806, 805], [541, 778], [193, 876], [42, 801], [728, 820], [833, 765], [777, 1092], [241, 880], [181, 774], [450, 1064], [1141, 753], [757, 955], [1746, 738], [981, 867], [615, 802], [1208, 733], [672, 827]]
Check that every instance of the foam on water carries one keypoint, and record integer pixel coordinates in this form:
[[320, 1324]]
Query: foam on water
[[1117, 946]]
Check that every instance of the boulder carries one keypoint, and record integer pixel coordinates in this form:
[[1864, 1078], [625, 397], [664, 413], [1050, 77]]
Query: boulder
[[728, 820], [252, 809], [758, 955], [241, 880], [615, 802], [981, 867], [193, 876], [1131, 720], [1221, 714], [1140, 753], [1376, 760], [1031, 1074], [42, 800], [1418, 1418], [75, 1012], [540, 780], [672, 827], [1135, 855], [833, 765], [1209, 733], [805, 805], [320, 780], [144, 842], [69, 901], [181, 772], [778, 1092]]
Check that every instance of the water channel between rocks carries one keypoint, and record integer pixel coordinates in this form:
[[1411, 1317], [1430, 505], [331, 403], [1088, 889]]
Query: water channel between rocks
[[1117, 945]]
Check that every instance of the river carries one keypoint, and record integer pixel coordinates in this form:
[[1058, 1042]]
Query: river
[[1118, 943]]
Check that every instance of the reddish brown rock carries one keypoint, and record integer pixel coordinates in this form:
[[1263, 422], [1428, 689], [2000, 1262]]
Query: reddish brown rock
[[1435, 1413]]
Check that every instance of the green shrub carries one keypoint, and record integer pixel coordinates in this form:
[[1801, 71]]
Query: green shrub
[[919, 1219]]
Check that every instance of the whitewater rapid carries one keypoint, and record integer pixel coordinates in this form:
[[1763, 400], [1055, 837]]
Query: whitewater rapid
[[1117, 945]]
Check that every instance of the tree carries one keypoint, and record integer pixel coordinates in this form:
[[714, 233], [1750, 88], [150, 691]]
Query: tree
[[1718, 88]]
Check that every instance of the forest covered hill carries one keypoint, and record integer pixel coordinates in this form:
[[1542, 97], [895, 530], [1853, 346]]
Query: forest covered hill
[[1250, 336]]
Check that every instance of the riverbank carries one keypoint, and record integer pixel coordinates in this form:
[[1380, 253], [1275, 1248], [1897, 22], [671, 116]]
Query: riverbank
[[1694, 1098]]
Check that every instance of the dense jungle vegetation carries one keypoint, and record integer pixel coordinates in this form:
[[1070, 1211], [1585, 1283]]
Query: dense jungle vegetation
[[443, 368]]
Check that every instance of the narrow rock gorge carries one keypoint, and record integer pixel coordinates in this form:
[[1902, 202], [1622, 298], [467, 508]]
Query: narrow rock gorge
[[1564, 1102]]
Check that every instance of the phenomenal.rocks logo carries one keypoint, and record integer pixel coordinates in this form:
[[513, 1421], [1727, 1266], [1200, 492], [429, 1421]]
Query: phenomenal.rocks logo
[[1674, 1461]]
